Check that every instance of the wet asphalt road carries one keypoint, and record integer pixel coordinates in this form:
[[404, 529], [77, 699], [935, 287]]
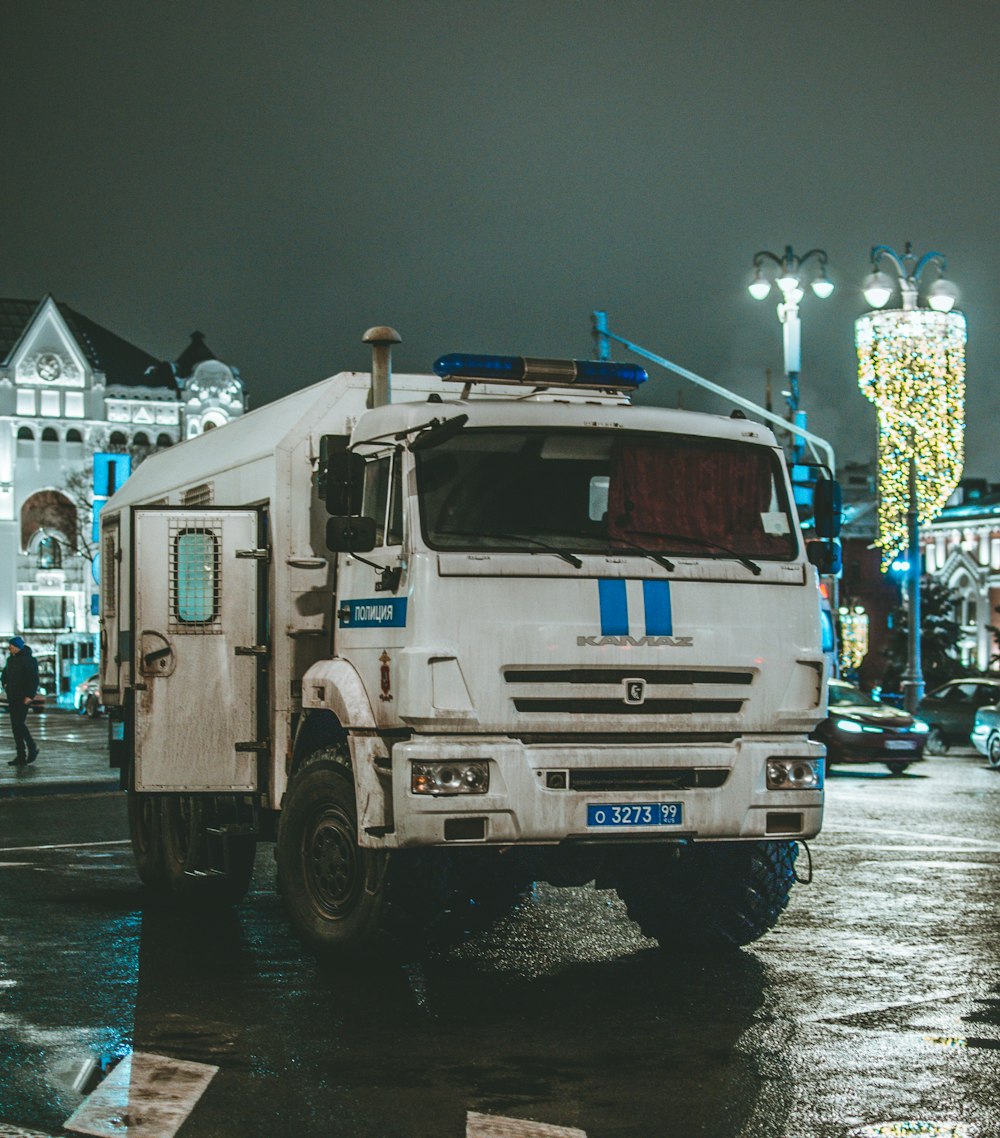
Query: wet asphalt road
[[876, 999]]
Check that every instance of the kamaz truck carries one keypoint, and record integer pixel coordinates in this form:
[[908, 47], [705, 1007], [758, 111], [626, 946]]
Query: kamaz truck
[[440, 637]]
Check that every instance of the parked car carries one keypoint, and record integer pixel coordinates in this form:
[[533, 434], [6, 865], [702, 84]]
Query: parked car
[[859, 729], [87, 696], [950, 710], [986, 733]]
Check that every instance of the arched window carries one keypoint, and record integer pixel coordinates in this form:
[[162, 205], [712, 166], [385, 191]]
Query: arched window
[[48, 552], [141, 439], [25, 433], [51, 512], [73, 436], [118, 439], [164, 440], [50, 435]]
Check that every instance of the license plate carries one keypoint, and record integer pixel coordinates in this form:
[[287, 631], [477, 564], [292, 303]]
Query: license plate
[[635, 814], [899, 744]]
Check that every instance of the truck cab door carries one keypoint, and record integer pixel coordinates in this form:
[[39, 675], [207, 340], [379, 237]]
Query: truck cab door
[[196, 663], [372, 601]]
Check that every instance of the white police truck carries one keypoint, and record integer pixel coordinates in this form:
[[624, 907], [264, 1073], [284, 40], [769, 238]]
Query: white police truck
[[440, 637]]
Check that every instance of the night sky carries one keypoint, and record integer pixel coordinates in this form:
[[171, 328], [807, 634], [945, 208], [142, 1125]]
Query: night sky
[[481, 175]]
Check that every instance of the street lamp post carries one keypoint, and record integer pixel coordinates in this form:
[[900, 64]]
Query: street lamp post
[[787, 270], [911, 365]]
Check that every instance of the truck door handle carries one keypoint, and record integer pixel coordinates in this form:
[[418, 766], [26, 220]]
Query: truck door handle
[[152, 657]]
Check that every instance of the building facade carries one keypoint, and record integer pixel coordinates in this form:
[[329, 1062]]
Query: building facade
[[71, 390], [961, 549]]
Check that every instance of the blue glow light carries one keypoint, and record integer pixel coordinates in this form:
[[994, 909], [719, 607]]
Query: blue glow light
[[540, 372]]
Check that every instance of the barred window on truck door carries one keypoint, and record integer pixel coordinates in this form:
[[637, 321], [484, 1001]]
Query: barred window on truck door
[[195, 579]]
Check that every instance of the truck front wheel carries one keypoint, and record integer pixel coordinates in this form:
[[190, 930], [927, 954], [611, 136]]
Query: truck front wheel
[[707, 895], [332, 888]]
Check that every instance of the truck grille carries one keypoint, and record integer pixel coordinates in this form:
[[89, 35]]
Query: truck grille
[[675, 778], [667, 691], [617, 707]]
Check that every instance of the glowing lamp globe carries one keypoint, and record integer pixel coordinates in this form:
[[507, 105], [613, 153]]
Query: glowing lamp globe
[[942, 295], [877, 289], [759, 287]]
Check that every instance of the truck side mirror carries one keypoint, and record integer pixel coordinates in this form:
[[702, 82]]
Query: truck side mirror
[[344, 482], [827, 507], [826, 556], [350, 534]]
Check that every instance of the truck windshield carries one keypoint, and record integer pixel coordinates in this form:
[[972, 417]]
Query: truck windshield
[[588, 491]]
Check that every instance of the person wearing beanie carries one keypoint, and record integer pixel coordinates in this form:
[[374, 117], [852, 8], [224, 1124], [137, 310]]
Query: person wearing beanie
[[20, 681]]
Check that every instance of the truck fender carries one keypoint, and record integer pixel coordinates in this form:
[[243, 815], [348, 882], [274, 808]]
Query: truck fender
[[335, 686], [337, 711]]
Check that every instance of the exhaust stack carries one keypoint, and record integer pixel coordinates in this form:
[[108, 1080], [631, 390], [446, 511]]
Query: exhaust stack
[[381, 339]]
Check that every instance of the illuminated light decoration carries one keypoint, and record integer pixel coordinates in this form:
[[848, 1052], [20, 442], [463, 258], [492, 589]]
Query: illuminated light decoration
[[911, 365], [853, 637], [601, 374]]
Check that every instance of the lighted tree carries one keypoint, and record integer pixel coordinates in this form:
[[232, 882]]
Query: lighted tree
[[911, 365]]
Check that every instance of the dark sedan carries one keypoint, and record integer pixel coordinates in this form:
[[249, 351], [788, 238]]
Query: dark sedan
[[858, 729], [950, 710]]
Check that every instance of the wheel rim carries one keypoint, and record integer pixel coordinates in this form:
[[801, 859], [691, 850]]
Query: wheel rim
[[935, 742], [332, 863]]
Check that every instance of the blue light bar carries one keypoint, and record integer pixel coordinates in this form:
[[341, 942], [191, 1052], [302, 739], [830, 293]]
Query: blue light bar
[[539, 372]]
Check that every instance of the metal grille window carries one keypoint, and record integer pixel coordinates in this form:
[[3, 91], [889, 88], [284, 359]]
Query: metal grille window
[[195, 578], [109, 571], [198, 495]]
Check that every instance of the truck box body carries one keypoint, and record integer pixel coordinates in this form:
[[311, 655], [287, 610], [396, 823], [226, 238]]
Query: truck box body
[[605, 692]]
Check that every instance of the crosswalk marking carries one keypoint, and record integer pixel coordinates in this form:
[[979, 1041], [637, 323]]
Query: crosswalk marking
[[145, 1096], [64, 846], [496, 1126]]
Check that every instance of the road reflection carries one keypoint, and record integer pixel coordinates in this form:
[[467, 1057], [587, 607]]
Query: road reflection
[[513, 1023]]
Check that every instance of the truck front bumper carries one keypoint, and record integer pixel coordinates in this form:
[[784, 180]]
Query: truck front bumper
[[540, 793]]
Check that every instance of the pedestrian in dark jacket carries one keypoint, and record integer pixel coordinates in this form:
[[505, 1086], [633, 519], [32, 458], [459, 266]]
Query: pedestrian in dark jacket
[[20, 681]]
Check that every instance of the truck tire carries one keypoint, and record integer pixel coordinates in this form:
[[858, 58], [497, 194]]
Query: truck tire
[[332, 889], [709, 895], [184, 821], [897, 767], [147, 846], [993, 751], [343, 900]]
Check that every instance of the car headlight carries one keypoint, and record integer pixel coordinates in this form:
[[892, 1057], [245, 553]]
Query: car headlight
[[849, 726], [920, 727], [460, 776], [794, 774]]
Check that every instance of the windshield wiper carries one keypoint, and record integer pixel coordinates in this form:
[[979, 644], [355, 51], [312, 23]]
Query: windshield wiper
[[574, 561], [703, 541], [659, 558]]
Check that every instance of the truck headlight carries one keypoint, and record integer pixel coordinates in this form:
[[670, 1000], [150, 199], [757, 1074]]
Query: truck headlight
[[459, 776], [794, 774]]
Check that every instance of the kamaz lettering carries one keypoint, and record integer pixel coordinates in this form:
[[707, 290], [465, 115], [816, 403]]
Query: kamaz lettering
[[636, 641]]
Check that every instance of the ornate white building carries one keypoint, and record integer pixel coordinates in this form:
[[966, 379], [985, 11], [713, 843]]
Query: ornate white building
[[70, 388], [961, 549]]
